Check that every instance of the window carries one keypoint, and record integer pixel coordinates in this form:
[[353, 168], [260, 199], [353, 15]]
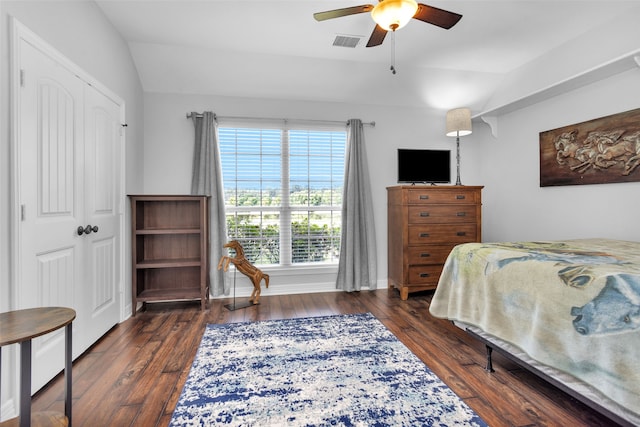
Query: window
[[283, 193]]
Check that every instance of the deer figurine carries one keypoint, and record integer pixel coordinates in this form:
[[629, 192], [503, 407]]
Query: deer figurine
[[245, 267]]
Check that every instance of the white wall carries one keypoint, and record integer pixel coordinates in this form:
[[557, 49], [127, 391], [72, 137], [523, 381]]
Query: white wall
[[517, 208], [80, 32], [169, 149]]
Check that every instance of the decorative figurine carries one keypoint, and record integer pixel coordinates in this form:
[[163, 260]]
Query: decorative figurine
[[245, 267]]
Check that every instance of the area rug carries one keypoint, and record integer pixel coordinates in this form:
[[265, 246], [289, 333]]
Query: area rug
[[346, 370]]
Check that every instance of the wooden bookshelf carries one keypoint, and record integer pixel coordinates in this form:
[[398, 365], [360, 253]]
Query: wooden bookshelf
[[169, 248]]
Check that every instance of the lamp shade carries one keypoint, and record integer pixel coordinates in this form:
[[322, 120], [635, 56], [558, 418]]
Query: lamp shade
[[459, 122], [393, 14]]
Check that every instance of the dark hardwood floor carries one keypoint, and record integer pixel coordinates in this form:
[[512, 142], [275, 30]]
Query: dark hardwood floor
[[134, 375]]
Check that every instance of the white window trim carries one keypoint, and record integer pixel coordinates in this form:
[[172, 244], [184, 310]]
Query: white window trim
[[286, 257]]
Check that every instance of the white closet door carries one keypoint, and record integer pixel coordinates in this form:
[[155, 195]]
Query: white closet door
[[68, 173], [51, 162], [101, 200]]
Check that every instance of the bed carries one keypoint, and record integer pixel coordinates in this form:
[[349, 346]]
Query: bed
[[569, 310]]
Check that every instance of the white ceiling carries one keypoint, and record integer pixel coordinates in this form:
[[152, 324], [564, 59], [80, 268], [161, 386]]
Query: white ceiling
[[275, 49]]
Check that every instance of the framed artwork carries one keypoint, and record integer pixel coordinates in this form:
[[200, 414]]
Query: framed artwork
[[599, 151]]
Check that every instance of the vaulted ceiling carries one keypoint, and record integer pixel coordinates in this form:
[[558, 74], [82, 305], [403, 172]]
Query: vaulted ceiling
[[276, 49]]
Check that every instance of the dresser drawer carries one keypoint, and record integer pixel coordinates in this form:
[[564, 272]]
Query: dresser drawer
[[439, 214], [449, 233], [422, 274], [426, 196], [428, 254]]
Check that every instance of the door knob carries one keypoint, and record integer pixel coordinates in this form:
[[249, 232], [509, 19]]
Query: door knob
[[87, 230]]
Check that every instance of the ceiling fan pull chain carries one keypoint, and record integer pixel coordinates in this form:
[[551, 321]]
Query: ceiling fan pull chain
[[393, 53]]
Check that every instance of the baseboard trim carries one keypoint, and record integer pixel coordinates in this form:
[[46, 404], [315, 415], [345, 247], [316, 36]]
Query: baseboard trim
[[9, 410], [244, 290]]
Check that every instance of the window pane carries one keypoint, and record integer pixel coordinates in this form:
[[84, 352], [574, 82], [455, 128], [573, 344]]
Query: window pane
[[298, 145], [258, 233], [251, 166], [320, 169], [316, 167], [336, 194], [299, 193], [337, 171], [298, 168], [315, 236]]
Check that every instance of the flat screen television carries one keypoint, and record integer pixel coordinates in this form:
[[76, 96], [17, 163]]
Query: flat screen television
[[424, 166]]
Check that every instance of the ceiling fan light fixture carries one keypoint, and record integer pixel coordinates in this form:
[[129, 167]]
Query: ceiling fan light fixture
[[394, 14]]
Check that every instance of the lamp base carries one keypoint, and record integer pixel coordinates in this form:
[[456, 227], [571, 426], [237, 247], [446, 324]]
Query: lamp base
[[458, 160], [237, 306]]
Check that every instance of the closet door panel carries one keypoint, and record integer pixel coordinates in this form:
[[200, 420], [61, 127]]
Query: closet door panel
[[102, 195], [50, 169]]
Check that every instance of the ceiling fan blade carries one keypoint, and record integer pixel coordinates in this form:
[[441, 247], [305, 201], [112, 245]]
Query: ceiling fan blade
[[440, 17], [337, 13], [377, 36]]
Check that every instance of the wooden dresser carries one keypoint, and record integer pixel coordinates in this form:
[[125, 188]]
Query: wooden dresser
[[423, 224]]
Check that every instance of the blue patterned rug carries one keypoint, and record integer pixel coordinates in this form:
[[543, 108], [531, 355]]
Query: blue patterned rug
[[347, 370]]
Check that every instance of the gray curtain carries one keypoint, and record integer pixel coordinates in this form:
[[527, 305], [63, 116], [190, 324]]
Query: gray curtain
[[357, 266], [207, 180]]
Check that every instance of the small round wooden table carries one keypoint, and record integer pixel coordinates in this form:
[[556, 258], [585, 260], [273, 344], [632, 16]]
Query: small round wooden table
[[22, 326]]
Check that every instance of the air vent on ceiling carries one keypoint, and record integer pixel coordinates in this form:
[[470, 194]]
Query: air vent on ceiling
[[346, 41]]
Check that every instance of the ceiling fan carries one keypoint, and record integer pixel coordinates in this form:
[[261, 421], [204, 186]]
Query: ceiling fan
[[390, 15]]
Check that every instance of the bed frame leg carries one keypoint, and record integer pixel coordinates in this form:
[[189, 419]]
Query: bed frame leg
[[489, 367]]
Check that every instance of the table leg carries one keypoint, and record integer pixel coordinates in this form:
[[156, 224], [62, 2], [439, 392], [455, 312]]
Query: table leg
[[68, 332], [25, 383]]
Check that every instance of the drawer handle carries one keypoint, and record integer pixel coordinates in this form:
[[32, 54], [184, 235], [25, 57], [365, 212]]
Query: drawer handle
[[424, 234], [424, 214], [461, 233], [425, 255], [461, 197], [424, 274], [461, 214], [424, 197]]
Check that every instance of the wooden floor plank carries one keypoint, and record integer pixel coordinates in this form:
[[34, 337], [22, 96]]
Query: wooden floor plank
[[186, 349], [107, 393], [134, 375], [125, 416], [153, 406], [155, 365]]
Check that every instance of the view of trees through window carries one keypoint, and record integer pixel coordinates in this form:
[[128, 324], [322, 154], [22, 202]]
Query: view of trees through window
[[283, 193]]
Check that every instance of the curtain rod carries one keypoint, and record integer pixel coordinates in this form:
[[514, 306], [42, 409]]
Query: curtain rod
[[337, 122]]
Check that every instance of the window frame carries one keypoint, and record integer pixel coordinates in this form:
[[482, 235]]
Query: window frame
[[286, 210]]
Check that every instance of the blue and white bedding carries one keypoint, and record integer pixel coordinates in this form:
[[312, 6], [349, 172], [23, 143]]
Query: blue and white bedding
[[571, 305]]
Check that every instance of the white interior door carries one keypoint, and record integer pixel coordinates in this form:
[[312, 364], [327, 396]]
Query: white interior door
[[68, 173], [102, 201], [50, 167]]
